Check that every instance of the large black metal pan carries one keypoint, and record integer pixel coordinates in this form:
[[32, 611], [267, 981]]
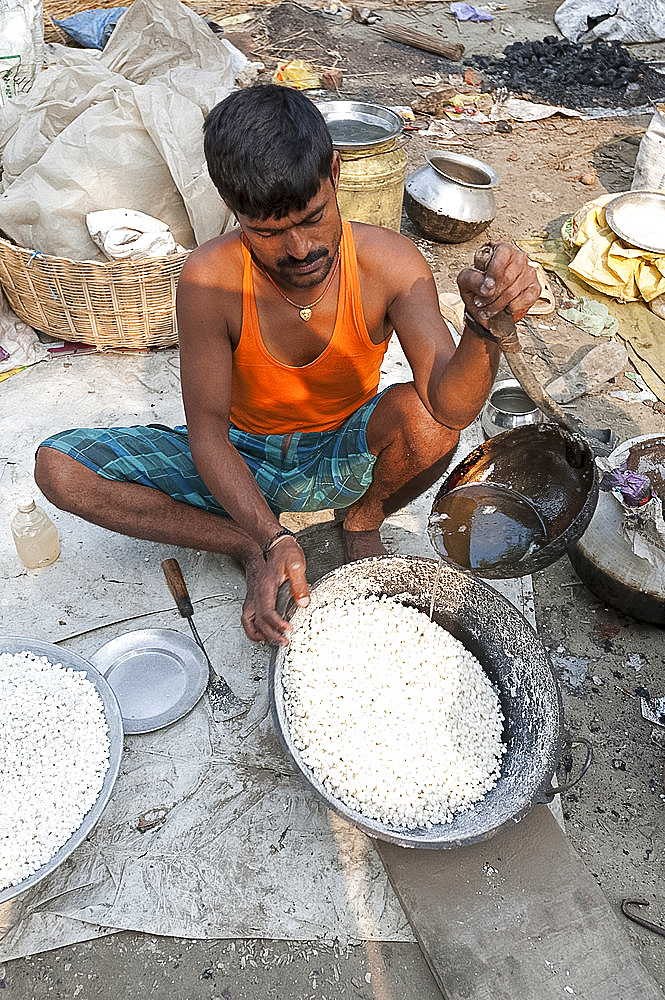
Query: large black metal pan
[[553, 471], [514, 660]]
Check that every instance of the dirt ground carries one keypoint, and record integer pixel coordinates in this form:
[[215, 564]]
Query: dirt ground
[[614, 817]]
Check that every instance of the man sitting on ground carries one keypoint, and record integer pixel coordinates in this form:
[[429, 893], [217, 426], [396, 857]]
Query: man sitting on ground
[[283, 324]]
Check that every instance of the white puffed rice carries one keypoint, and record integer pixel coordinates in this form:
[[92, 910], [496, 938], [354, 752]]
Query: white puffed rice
[[54, 753], [390, 712]]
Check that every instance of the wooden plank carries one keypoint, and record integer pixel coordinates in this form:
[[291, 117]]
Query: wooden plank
[[517, 917]]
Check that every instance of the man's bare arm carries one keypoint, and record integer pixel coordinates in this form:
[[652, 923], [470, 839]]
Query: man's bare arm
[[454, 383], [204, 309], [205, 369]]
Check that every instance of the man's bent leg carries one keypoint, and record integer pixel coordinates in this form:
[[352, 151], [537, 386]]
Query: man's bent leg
[[412, 450], [143, 512], [136, 510]]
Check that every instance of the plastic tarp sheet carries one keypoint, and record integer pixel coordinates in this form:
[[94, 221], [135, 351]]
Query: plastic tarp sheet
[[19, 344], [239, 846], [21, 45], [611, 20], [120, 130], [642, 331]]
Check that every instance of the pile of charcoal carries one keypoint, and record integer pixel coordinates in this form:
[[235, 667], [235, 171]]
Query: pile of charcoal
[[557, 71]]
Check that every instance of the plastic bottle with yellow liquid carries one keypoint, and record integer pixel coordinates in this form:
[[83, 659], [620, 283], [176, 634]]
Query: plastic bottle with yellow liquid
[[35, 535]]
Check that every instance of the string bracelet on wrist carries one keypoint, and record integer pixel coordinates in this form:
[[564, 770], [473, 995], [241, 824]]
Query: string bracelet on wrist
[[282, 533], [476, 327]]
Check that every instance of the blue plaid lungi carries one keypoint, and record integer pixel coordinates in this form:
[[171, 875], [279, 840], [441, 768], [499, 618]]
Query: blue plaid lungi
[[318, 471]]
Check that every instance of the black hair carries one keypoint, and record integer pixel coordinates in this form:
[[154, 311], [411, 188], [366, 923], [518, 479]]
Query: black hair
[[268, 149]]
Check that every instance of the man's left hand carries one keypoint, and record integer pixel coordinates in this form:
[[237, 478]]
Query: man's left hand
[[510, 281]]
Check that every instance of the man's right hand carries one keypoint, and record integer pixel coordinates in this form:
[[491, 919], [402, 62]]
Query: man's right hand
[[260, 619]]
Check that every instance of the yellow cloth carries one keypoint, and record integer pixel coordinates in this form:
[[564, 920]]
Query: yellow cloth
[[608, 264]]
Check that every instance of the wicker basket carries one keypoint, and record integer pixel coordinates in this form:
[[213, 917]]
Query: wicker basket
[[61, 9], [127, 304]]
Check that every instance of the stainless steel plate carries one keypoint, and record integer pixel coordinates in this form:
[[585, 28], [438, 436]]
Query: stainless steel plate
[[157, 675], [17, 644], [357, 125], [638, 218]]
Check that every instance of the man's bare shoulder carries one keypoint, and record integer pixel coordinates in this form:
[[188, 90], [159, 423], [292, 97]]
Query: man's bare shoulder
[[385, 255], [209, 294], [216, 264]]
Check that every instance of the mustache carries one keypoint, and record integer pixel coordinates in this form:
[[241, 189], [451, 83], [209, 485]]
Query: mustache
[[311, 258]]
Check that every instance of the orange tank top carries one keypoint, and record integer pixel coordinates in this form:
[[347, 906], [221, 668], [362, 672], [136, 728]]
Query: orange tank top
[[268, 397]]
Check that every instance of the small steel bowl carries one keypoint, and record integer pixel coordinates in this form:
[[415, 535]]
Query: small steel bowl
[[508, 407]]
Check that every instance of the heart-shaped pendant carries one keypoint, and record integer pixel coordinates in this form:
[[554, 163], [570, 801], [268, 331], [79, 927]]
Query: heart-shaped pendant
[[305, 314]]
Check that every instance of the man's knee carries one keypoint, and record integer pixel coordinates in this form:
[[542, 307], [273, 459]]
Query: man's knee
[[55, 475], [406, 413], [46, 471]]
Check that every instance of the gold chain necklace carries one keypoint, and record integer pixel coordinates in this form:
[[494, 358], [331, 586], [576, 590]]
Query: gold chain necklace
[[305, 312]]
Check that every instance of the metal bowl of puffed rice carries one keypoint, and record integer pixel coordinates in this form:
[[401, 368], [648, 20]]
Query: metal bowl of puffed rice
[[59, 761], [410, 751]]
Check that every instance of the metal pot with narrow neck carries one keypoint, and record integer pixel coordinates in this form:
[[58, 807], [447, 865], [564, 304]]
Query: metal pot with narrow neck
[[451, 197]]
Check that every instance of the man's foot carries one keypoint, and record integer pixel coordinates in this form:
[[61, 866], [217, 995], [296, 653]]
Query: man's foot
[[362, 544]]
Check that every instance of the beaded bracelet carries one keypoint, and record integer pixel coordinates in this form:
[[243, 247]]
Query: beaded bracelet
[[282, 533]]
